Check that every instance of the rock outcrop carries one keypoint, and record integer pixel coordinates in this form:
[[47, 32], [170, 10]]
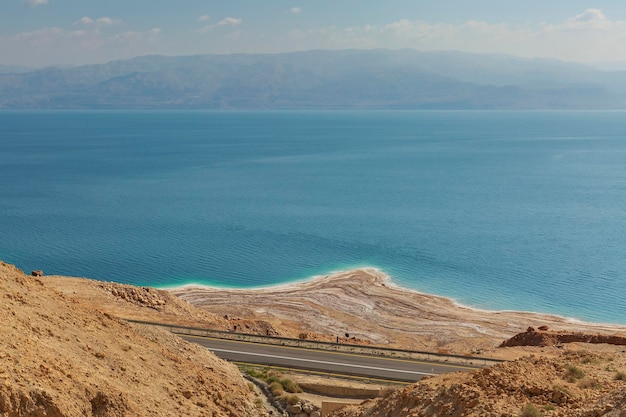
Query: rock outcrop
[[532, 337]]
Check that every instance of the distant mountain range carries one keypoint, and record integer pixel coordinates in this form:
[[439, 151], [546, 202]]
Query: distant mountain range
[[386, 79], [6, 69]]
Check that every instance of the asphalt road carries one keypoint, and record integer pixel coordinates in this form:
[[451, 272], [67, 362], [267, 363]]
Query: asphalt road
[[323, 361]]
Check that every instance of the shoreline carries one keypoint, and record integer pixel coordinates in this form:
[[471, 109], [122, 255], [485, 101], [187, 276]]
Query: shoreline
[[388, 281], [365, 303]]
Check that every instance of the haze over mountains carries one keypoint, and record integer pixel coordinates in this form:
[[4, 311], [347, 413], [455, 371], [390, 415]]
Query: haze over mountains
[[377, 79], [6, 69]]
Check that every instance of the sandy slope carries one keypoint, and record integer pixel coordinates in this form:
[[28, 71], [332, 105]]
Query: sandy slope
[[365, 305], [61, 357]]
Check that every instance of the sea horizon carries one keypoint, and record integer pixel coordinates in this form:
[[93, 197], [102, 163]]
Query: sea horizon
[[496, 210]]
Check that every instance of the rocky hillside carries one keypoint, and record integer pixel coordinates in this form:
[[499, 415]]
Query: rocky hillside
[[532, 337], [575, 385], [60, 357], [152, 305]]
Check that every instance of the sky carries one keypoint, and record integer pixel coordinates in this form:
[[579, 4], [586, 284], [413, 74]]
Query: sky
[[40, 33]]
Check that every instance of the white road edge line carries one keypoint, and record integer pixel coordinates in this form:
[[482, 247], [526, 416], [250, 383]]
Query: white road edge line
[[321, 362]]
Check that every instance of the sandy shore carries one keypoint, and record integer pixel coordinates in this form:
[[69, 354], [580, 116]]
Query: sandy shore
[[363, 304]]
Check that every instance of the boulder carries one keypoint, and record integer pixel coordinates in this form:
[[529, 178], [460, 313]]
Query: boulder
[[308, 407], [37, 273]]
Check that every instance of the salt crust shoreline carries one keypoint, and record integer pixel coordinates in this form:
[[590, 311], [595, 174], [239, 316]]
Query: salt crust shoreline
[[366, 304], [386, 280]]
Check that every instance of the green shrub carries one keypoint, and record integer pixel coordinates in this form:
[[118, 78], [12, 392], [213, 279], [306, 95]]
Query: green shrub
[[573, 373], [620, 376], [591, 360], [588, 383], [257, 373], [530, 411], [564, 390], [292, 399], [277, 389], [272, 378], [290, 386]]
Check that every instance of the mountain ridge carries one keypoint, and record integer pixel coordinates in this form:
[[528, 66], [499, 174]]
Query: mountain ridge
[[320, 79]]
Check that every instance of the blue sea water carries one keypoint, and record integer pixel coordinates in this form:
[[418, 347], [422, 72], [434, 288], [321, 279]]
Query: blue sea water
[[498, 210]]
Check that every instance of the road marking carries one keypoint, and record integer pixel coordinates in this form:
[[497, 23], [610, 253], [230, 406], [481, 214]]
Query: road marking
[[330, 352], [374, 368]]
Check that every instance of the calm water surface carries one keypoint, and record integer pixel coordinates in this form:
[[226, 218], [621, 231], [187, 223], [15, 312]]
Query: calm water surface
[[499, 210]]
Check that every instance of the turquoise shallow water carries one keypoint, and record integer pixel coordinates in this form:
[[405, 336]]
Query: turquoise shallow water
[[499, 210]]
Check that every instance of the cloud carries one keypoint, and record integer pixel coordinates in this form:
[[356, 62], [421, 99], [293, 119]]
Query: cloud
[[99, 22], [588, 36], [35, 3], [134, 37], [589, 19], [296, 10], [585, 37], [38, 37], [204, 18], [229, 21]]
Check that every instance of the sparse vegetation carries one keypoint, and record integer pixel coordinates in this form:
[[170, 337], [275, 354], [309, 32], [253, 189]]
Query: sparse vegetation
[[589, 383], [258, 403], [292, 399], [620, 376], [530, 411], [573, 373], [563, 390], [276, 389], [272, 378], [290, 386], [256, 373], [591, 360], [278, 385]]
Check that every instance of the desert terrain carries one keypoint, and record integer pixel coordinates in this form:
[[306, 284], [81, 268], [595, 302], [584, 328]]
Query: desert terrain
[[62, 357], [69, 352]]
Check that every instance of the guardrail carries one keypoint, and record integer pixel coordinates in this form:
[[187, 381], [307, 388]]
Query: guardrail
[[474, 361]]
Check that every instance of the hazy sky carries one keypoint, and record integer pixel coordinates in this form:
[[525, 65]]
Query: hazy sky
[[53, 32]]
